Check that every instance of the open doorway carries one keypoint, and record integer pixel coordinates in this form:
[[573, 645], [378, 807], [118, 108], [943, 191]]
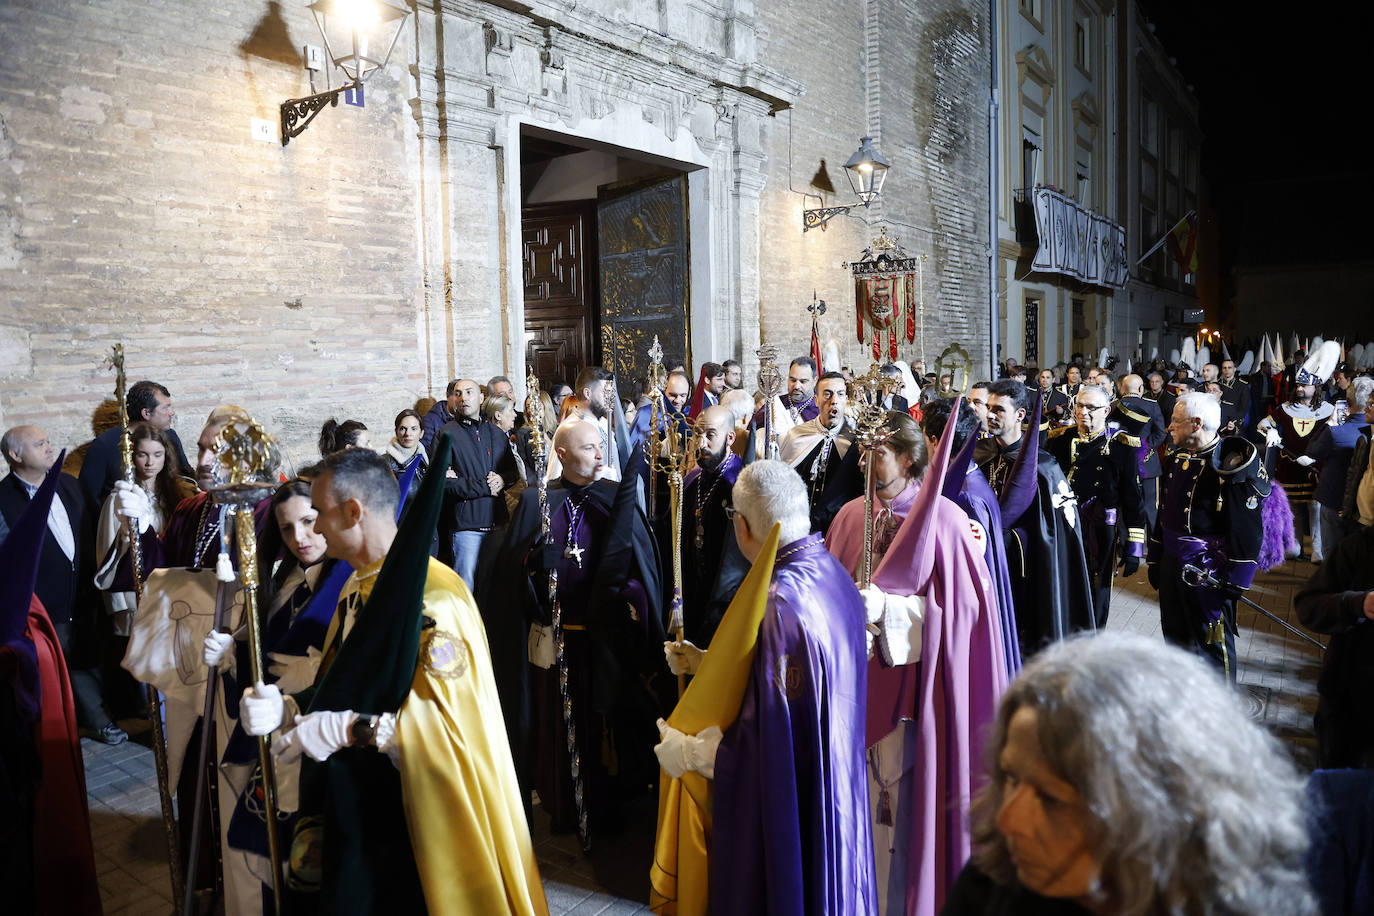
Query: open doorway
[[605, 257]]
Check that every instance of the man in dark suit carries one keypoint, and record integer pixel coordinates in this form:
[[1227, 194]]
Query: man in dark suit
[[894, 399], [65, 567], [1140, 420], [148, 402]]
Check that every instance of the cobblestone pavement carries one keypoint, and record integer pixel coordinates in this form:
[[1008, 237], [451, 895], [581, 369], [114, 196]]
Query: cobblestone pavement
[[1277, 672]]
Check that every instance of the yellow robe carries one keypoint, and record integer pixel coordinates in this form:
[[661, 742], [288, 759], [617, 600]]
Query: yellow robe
[[467, 823]]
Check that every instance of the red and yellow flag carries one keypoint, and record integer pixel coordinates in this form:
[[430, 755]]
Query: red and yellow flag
[[1183, 243]]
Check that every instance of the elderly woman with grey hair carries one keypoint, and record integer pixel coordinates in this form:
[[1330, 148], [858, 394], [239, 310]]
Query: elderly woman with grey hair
[[1124, 777]]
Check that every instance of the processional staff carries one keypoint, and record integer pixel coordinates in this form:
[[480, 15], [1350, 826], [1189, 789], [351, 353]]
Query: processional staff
[[248, 462], [159, 737], [870, 390], [770, 383], [665, 448], [534, 417]]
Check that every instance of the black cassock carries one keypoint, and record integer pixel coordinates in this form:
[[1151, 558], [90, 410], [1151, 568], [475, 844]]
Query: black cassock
[[612, 613]]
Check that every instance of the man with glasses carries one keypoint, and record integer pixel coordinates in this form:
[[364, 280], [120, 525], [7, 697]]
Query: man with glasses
[[1102, 470]]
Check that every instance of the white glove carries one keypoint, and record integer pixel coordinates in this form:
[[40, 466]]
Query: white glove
[[683, 657], [1305, 460], [261, 709], [875, 599], [899, 642], [133, 503], [678, 752], [294, 673], [386, 739], [318, 734], [216, 647], [1272, 438]]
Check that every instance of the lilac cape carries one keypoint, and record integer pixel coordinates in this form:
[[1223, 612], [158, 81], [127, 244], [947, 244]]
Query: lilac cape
[[790, 831], [956, 686]]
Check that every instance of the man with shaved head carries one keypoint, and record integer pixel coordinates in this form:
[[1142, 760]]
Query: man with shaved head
[[712, 565], [1145, 430], [609, 600], [1102, 469]]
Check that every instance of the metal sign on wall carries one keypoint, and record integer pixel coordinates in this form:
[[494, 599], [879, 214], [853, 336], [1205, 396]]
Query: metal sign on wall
[[1078, 242]]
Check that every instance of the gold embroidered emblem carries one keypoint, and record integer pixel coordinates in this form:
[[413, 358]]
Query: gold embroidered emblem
[[444, 654], [1304, 425], [788, 677]]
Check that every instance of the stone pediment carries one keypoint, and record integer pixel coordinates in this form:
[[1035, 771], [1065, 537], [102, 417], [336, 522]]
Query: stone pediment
[[1033, 64]]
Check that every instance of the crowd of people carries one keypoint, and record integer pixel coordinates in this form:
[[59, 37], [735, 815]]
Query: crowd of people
[[897, 699]]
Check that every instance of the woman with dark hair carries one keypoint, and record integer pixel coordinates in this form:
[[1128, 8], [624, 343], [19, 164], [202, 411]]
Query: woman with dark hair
[[405, 449], [1124, 777], [292, 632], [156, 470], [336, 436]]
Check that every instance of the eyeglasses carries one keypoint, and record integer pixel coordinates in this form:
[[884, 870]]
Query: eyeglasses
[[1089, 409], [731, 512]]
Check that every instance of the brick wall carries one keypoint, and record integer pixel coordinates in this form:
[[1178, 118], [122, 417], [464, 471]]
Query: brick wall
[[134, 206], [917, 82]]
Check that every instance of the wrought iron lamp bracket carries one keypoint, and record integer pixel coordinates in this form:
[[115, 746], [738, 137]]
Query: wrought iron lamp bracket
[[296, 114]]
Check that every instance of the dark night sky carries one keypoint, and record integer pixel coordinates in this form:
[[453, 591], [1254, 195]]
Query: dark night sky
[[1283, 107]]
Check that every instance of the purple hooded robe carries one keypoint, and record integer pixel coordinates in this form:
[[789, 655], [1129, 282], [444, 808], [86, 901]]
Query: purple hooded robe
[[790, 831]]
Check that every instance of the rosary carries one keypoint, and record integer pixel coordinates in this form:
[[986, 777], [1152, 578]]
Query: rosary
[[570, 548], [703, 497]]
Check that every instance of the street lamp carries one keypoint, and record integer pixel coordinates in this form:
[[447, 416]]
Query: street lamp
[[867, 170], [352, 31]]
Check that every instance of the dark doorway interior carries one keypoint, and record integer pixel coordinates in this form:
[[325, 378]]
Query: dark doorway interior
[[604, 258]]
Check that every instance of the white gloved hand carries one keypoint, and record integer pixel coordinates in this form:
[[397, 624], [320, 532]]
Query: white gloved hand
[[683, 657], [678, 752], [294, 673], [318, 734], [899, 642], [874, 601], [1272, 439], [387, 740], [216, 647], [261, 709], [1305, 460], [133, 503]]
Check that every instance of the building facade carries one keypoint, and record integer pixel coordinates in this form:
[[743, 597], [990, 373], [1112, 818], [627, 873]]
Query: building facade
[[1059, 74], [550, 184], [1161, 183]]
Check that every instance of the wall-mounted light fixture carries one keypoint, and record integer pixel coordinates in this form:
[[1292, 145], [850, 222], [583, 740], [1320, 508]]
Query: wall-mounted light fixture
[[349, 28], [866, 170]]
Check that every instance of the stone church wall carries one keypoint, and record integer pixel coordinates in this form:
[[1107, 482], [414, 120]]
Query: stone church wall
[[376, 256]]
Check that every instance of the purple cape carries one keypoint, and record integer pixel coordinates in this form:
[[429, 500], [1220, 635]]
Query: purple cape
[[790, 829], [980, 503]]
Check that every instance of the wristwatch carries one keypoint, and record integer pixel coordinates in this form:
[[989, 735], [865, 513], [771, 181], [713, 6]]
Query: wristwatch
[[363, 731]]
